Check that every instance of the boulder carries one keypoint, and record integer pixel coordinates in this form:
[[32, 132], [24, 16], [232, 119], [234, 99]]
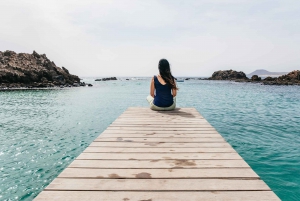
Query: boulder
[[255, 78]]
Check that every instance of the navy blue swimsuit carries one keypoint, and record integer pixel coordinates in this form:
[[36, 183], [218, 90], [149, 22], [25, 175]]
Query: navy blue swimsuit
[[163, 96]]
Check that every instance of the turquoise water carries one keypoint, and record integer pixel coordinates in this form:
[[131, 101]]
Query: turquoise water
[[41, 132]]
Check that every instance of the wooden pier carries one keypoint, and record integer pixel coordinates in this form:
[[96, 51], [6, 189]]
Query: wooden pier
[[146, 155]]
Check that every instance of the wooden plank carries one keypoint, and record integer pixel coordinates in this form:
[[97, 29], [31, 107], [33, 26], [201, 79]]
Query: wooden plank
[[163, 126], [157, 150], [119, 139], [152, 121], [131, 164], [158, 144], [147, 123], [155, 156], [161, 112], [161, 129], [179, 113], [157, 196], [130, 135], [246, 173], [147, 108], [162, 116], [171, 115], [157, 184], [161, 132]]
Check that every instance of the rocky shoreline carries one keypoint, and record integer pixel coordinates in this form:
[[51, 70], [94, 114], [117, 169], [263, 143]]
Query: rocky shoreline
[[33, 71], [292, 78]]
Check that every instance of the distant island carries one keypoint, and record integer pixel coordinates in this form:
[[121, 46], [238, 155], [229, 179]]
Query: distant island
[[265, 73], [291, 78], [33, 71]]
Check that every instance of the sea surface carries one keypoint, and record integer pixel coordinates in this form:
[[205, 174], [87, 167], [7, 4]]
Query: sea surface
[[43, 131]]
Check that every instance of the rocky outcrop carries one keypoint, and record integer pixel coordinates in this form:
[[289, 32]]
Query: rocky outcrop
[[292, 78], [228, 75], [106, 79], [32, 70]]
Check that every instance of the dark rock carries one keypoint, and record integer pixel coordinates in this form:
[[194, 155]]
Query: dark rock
[[43, 79], [106, 79], [270, 79], [66, 70], [35, 54], [255, 78], [29, 68], [90, 85], [187, 78], [127, 79], [228, 75], [294, 75], [292, 78]]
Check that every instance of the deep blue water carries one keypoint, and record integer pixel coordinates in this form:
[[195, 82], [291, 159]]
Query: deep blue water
[[42, 131]]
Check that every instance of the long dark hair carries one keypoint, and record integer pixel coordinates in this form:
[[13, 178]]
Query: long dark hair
[[165, 73]]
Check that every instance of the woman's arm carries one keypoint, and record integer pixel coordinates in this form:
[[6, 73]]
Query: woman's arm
[[152, 87]]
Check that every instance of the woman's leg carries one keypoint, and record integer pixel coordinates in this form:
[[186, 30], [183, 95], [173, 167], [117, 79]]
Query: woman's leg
[[150, 99], [154, 107]]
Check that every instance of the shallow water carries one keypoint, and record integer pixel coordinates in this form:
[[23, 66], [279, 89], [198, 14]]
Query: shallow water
[[42, 131]]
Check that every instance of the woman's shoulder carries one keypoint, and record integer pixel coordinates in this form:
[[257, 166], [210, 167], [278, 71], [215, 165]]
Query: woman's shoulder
[[153, 78]]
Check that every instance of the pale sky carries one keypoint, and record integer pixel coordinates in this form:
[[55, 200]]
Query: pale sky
[[128, 37]]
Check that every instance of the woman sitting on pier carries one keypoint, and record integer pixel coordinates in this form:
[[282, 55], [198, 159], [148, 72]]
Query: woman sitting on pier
[[163, 89]]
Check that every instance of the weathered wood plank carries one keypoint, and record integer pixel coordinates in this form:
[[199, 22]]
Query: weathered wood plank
[[158, 164], [157, 150], [161, 132], [163, 126], [170, 115], [198, 125], [157, 196], [150, 120], [159, 144], [123, 139], [246, 173], [160, 156], [162, 116], [131, 135], [157, 184], [161, 129], [140, 112]]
